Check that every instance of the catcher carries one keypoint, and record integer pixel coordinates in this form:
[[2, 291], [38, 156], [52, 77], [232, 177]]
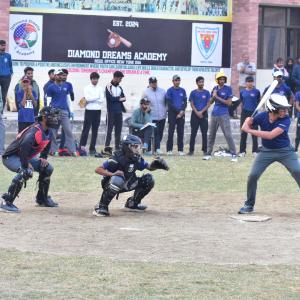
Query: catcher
[[119, 176], [20, 157]]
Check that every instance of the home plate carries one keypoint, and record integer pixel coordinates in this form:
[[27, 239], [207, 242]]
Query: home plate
[[251, 218], [131, 229]]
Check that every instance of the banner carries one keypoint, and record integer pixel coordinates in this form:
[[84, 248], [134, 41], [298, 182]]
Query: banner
[[25, 37]]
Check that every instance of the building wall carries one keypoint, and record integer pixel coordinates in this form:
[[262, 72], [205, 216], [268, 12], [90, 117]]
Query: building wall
[[245, 32], [4, 19]]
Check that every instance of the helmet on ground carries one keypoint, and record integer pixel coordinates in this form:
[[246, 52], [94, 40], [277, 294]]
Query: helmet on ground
[[131, 146], [52, 116], [220, 75], [276, 102]]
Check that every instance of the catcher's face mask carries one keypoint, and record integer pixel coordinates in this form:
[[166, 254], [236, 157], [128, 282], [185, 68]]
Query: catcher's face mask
[[53, 118], [135, 150]]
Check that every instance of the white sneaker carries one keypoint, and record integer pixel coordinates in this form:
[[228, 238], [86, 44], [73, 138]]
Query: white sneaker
[[206, 157], [234, 158], [169, 153], [159, 152], [242, 154], [181, 153], [254, 154]]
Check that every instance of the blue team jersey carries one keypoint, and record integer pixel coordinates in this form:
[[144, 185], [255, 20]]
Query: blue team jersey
[[250, 99], [176, 98], [225, 93], [199, 98], [58, 94], [281, 141], [25, 113], [297, 96], [282, 89]]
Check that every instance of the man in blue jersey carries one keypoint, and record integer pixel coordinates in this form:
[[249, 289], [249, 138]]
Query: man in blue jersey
[[57, 96], [250, 97], [222, 96], [176, 100], [274, 126], [199, 100], [297, 106]]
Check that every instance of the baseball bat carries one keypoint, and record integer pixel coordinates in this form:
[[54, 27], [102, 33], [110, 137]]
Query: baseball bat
[[124, 41], [265, 97]]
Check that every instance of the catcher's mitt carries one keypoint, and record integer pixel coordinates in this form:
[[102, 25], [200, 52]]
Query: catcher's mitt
[[159, 163]]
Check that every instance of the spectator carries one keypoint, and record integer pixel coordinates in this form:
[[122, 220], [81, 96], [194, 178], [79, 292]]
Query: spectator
[[28, 72], [27, 101], [6, 71], [141, 123], [94, 96], [297, 106], [279, 66], [289, 66], [158, 106], [296, 75], [49, 82], [2, 128], [57, 97], [199, 100], [222, 96], [115, 99], [176, 101], [250, 97]]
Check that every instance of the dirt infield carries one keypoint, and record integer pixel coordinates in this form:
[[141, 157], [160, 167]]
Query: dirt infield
[[176, 228]]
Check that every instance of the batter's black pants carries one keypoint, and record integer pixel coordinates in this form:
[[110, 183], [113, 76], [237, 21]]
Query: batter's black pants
[[114, 120], [179, 125], [243, 143], [4, 84], [196, 122], [158, 132], [91, 119]]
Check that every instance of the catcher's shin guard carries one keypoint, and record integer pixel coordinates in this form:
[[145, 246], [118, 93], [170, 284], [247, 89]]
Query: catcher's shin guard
[[14, 189], [145, 185]]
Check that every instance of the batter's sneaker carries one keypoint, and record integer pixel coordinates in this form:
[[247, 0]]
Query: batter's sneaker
[[206, 157], [246, 209], [234, 158], [101, 212], [8, 207], [130, 205]]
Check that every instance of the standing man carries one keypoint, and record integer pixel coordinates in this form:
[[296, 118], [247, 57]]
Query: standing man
[[245, 68], [250, 97], [6, 71], [199, 100], [297, 106], [274, 126], [57, 97], [49, 82], [158, 106], [176, 100], [222, 96], [296, 74], [2, 128], [94, 96], [115, 99], [28, 72]]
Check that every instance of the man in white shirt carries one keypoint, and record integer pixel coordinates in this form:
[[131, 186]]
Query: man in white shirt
[[94, 96]]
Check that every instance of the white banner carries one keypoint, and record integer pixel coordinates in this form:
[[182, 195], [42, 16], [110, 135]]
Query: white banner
[[25, 37], [207, 42]]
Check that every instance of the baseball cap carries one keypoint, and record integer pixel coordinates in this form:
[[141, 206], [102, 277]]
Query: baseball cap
[[25, 78], [278, 73], [144, 100], [249, 79], [58, 72], [152, 79], [176, 77]]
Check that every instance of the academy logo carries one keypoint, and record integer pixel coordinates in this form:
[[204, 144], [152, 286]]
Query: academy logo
[[25, 37], [207, 40]]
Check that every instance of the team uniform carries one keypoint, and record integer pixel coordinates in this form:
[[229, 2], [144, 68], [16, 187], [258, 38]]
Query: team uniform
[[250, 99], [22, 153], [200, 99], [297, 139]]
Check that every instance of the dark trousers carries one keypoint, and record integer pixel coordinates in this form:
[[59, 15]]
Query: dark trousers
[[114, 120], [144, 134], [243, 143], [23, 125], [195, 124], [179, 125], [233, 107], [4, 84], [158, 132], [297, 139], [91, 119]]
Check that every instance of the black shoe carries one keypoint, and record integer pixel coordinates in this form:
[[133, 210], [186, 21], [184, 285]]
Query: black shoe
[[96, 154], [130, 204], [107, 152], [191, 153], [101, 212], [46, 203]]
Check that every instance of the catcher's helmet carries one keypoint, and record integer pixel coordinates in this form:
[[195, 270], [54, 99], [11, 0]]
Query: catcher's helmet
[[51, 114], [276, 102], [131, 146]]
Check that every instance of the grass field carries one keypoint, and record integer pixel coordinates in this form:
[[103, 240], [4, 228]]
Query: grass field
[[184, 247]]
